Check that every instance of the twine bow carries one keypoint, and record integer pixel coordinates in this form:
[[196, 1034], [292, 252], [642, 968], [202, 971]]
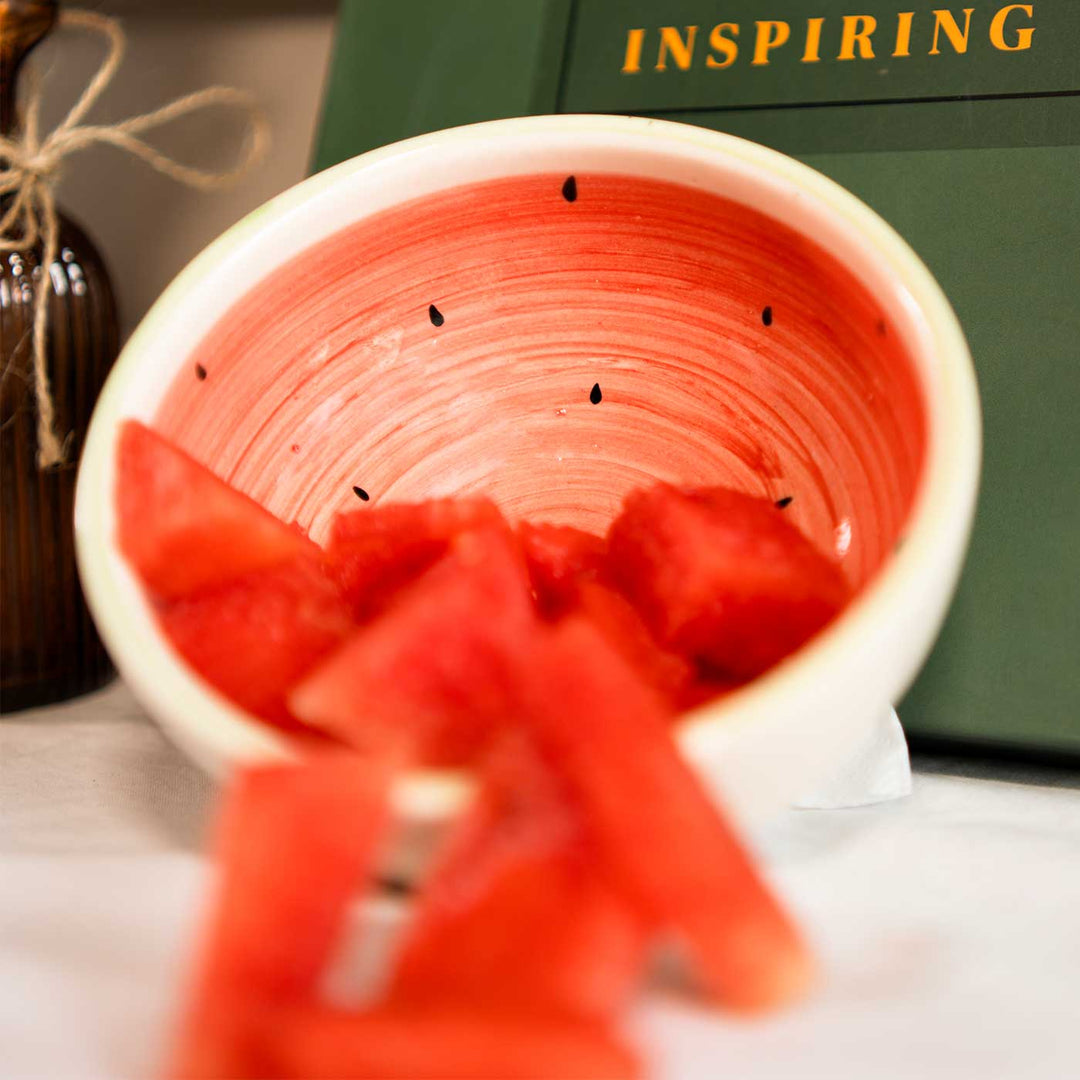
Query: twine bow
[[29, 170]]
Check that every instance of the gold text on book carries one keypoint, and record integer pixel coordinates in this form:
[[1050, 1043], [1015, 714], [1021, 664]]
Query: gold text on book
[[1008, 28]]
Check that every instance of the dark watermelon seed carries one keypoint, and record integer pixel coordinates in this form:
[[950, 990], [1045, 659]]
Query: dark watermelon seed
[[396, 886], [881, 328], [361, 494], [785, 501], [595, 396], [766, 315], [200, 372], [435, 315], [569, 189]]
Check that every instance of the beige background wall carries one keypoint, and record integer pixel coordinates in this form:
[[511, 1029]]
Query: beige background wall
[[148, 226]]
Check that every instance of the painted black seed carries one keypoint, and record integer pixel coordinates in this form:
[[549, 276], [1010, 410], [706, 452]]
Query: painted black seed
[[396, 886], [785, 501], [361, 494], [569, 189], [435, 315], [766, 315], [595, 396], [200, 372], [881, 327]]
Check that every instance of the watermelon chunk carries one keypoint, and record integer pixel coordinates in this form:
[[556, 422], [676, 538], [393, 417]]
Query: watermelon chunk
[[722, 576], [672, 675], [605, 733], [182, 528], [429, 679], [448, 1042], [560, 558], [374, 551], [295, 843], [253, 638], [518, 913]]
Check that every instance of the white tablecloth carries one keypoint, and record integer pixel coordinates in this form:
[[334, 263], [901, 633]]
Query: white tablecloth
[[948, 923]]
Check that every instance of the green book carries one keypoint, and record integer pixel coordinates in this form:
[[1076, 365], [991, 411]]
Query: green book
[[959, 123]]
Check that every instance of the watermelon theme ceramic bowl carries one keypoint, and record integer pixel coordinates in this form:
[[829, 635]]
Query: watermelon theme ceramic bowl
[[553, 311]]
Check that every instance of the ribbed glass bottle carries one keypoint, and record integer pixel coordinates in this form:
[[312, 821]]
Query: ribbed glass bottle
[[49, 649]]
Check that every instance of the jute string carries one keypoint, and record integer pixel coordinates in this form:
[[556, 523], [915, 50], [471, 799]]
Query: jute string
[[30, 166]]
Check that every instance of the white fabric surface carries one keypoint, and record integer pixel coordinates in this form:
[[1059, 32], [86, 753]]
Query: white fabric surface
[[948, 923]]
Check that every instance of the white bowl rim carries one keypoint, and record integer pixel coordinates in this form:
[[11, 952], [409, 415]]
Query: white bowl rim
[[215, 732]]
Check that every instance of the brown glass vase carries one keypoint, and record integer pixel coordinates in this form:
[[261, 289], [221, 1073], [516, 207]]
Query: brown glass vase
[[49, 649]]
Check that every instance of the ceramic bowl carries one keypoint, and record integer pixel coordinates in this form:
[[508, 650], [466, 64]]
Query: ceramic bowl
[[433, 317]]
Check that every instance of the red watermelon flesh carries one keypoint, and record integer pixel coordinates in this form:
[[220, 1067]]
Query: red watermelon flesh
[[373, 552], [429, 678], [182, 528], [560, 558], [670, 674], [722, 576], [295, 845], [450, 1041], [605, 734], [518, 913], [253, 638]]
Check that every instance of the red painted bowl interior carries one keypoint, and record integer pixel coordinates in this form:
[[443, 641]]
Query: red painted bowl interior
[[332, 373]]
